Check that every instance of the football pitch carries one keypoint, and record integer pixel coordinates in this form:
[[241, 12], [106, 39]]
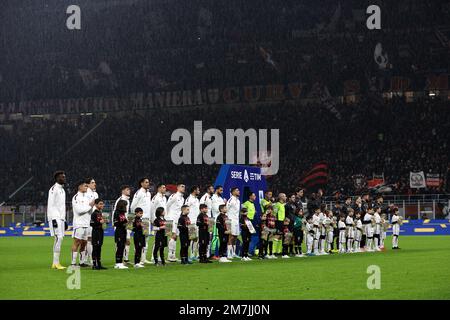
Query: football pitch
[[418, 271]]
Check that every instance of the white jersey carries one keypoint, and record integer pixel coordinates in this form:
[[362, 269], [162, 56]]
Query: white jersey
[[341, 226], [377, 218], [358, 224], [174, 204], [142, 199], [368, 218], [159, 200], [81, 210], [93, 195], [309, 227], [349, 221], [122, 197], [216, 201], [321, 217], [394, 219], [194, 207], [327, 223], [233, 208], [206, 199], [56, 205], [315, 220]]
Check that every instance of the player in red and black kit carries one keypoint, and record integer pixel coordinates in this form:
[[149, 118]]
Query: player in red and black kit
[[159, 225], [203, 233], [120, 233], [183, 223], [263, 241], [245, 234], [287, 228], [221, 229], [97, 234], [138, 237]]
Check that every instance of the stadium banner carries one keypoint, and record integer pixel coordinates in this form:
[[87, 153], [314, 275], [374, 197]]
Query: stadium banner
[[417, 180], [292, 91], [377, 180], [160, 99], [317, 177], [433, 180]]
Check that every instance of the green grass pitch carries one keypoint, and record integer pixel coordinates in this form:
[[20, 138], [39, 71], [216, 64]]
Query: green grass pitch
[[418, 271]]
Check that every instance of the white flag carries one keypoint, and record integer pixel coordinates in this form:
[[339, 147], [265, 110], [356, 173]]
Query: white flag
[[417, 180]]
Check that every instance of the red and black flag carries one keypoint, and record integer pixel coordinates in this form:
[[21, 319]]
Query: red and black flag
[[317, 177]]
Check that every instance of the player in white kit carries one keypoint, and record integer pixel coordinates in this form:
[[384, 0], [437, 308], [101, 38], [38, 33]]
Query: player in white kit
[[377, 228], [159, 200], [396, 220], [233, 209], [125, 196], [328, 222], [82, 208], [316, 226], [323, 232], [384, 227], [350, 230], [193, 203], [310, 232], [342, 228], [174, 204], [56, 215], [217, 200], [206, 199], [93, 195], [358, 232], [368, 223], [143, 199]]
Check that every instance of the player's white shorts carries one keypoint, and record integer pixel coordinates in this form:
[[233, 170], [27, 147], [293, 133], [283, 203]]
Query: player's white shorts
[[309, 242], [235, 227], [342, 236], [330, 236], [351, 233], [377, 229], [89, 232], [128, 234], [316, 233], [80, 233], [323, 231], [369, 231], [358, 235], [59, 230], [396, 229]]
